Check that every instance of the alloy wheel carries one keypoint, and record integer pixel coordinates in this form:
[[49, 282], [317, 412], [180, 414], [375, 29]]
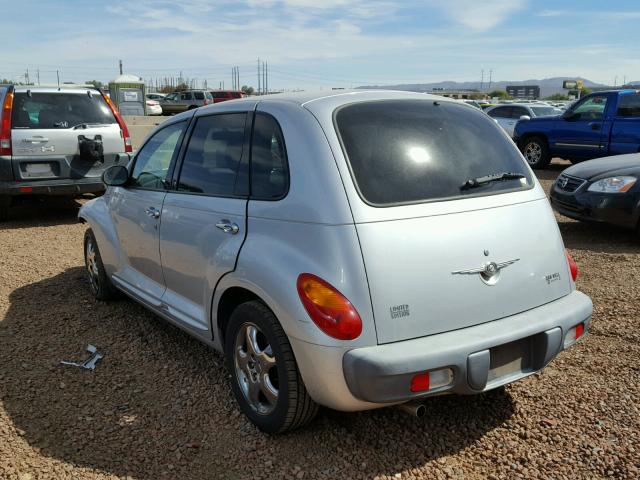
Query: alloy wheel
[[92, 265], [533, 153], [255, 368]]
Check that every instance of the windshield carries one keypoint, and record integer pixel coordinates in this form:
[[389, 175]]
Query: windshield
[[544, 111], [59, 110], [413, 151]]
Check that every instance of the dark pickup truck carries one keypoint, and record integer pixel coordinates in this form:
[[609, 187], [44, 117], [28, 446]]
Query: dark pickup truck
[[598, 125]]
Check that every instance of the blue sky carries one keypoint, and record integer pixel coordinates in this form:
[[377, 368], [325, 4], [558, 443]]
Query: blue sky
[[323, 43]]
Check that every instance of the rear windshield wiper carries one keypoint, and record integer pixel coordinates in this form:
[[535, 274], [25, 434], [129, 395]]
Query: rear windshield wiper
[[495, 177]]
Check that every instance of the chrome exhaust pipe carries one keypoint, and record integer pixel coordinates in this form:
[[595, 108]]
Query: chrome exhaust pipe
[[415, 409]]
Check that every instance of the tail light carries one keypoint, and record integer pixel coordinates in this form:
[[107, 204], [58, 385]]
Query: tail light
[[328, 308], [123, 126], [5, 126], [572, 266]]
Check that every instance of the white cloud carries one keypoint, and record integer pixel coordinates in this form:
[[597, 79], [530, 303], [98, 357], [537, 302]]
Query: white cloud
[[480, 16]]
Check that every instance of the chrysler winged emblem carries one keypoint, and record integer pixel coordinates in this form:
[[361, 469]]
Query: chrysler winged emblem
[[489, 272]]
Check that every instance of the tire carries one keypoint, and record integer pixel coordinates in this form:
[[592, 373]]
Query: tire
[[269, 367], [99, 283], [536, 152], [5, 203]]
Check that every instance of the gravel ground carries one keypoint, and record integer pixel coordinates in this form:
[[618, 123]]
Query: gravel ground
[[159, 405]]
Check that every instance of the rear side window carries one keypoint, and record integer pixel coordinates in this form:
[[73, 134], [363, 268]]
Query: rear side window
[[517, 112], [198, 95], [186, 96], [211, 162], [59, 110], [219, 94], [629, 105], [269, 169], [414, 151]]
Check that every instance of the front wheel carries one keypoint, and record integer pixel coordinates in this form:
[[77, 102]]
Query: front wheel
[[264, 375], [536, 152], [99, 282]]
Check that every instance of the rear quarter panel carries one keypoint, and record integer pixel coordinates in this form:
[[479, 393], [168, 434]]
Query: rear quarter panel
[[625, 136]]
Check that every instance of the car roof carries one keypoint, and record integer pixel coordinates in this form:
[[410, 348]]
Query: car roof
[[55, 88], [339, 98]]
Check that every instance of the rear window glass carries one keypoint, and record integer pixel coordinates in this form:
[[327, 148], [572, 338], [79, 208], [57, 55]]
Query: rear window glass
[[629, 105], [414, 151], [59, 110]]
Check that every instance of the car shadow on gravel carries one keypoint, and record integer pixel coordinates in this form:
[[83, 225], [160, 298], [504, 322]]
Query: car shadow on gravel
[[159, 404], [596, 237], [43, 212]]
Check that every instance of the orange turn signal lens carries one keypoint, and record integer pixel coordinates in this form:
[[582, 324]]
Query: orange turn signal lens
[[328, 308]]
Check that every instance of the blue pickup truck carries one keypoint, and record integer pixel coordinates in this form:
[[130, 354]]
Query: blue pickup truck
[[598, 125]]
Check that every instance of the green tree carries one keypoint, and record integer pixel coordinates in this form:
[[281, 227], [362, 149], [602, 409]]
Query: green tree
[[96, 83], [248, 90], [499, 93]]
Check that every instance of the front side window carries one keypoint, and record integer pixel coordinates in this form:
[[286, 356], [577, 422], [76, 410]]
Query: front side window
[[59, 110], [629, 105], [501, 112], [152, 162], [415, 151], [590, 109], [269, 169], [211, 162]]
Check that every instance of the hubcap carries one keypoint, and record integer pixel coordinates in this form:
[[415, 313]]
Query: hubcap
[[256, 371], [533, 152], [92, 265]]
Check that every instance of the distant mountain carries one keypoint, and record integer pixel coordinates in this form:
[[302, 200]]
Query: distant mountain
[[548, 86]]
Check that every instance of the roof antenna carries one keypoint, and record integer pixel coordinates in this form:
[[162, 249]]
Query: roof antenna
[[29, 93], [58, 75]]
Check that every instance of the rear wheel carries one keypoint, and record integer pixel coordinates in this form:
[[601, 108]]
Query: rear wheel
[[536, 152], [5, 203], [264, 375], [99, 282]]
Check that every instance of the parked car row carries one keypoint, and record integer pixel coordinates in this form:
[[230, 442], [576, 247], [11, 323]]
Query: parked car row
[[177, 102]]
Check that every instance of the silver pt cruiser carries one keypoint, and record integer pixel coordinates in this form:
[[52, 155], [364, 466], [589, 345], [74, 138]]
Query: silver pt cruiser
[[353, 250]]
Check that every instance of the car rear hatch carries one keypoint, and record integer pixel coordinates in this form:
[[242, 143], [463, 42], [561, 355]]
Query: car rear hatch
[[63, 134], [440, 256]]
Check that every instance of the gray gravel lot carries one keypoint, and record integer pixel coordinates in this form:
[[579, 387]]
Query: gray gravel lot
[[159, 404]]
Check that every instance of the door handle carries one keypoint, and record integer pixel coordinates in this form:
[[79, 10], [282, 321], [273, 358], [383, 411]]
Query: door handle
[[152, 212], [228, 227]]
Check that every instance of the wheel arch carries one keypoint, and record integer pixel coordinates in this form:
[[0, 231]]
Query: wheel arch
[[96, 216], [229, 300]]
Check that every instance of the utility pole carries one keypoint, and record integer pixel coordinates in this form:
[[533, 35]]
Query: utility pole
[[481, 79], [38, 76], [259, 91], [490, 79], [120, 62], [266, 76]]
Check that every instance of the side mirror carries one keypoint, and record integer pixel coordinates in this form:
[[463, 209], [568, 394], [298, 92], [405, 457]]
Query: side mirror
[[525, 117], [568, 114], [115, 176], [123, 158]]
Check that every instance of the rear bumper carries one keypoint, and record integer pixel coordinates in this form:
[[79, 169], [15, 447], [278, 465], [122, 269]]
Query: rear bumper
[[383, 374], [376, 376], [52, 187]]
